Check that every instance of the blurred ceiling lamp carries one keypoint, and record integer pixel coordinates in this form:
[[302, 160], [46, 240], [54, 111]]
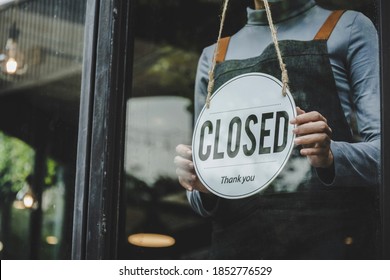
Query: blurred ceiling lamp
[[51, 240], [11, 66], [1, 246], [28, 200], [12, 61], [27, 197], [151, 240]]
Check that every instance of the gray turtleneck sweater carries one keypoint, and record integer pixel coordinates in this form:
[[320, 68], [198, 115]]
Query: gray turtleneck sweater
[[354, 56]]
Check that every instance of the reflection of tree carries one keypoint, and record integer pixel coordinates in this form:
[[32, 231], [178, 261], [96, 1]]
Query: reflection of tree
[[140, 192], [18, 180], [149, 199], [136, 190], [167, 185], [16, 163], [161, 70]]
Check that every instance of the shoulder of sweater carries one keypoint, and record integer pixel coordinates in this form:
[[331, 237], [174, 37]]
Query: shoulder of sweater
[[353, 23], [349, 18]]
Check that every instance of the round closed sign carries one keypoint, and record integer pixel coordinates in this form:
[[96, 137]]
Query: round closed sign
[[242, 142]]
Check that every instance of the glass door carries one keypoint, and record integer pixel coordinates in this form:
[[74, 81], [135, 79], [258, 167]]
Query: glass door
[[170, 73], [41, 55]]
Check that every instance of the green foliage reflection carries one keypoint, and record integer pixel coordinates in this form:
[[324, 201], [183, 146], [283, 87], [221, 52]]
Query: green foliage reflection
[[16, 163]]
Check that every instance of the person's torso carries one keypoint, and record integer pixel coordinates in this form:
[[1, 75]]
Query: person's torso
[[255, 37]]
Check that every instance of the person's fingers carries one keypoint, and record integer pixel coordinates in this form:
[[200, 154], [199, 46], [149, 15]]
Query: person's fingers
[[183, 163], [314, 135], [313, 127], [185, 169], [184, 151], [185, 184], [300, 111], [200, 187], [184, 174], [318, 139], [314, 151], [308, 117], [318, 157], [190, 182]]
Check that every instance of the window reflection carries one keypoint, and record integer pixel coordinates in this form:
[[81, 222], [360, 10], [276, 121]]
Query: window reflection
[[161, 80], [41, 52], [155, 124], [160, 115], [168, 42], [17, 163], [157, 212], [22, 200]]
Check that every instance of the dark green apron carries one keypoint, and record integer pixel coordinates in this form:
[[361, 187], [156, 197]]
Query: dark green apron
[[309, 220]]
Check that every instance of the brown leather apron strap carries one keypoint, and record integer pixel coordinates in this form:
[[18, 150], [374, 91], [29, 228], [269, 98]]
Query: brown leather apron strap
[[222, 49], [323, 34], [327, 28]]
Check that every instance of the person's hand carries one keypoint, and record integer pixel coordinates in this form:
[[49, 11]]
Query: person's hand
[[185, 169], [314, 134]]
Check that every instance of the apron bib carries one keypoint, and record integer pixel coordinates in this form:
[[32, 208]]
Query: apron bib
[[297, 217]]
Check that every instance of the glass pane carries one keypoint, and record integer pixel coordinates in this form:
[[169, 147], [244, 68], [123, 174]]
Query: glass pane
[[318, 206], [41, 53]]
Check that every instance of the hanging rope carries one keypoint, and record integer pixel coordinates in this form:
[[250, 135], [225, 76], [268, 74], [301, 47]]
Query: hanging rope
[[285, 79], [210, 85]]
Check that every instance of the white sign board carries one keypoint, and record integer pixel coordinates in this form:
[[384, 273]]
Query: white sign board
[[242, 142]]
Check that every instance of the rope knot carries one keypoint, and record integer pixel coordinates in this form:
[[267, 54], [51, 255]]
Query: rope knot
[[285, 80]]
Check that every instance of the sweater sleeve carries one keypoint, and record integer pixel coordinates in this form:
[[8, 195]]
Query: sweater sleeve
[[359, 163]]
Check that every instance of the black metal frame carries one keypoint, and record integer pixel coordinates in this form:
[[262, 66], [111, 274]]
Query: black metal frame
[[106, 81], [384, 8]]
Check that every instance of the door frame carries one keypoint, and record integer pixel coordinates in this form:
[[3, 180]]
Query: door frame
[[107, 68]]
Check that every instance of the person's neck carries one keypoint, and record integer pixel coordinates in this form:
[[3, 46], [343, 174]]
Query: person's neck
[[280, 10], [259, 5], [282, 5]]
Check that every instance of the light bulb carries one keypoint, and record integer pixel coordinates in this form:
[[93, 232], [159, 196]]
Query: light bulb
[[28, 201], [11, 66]]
